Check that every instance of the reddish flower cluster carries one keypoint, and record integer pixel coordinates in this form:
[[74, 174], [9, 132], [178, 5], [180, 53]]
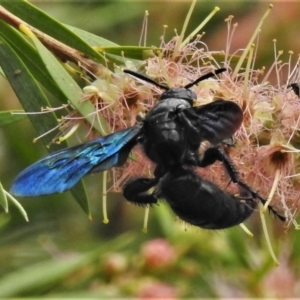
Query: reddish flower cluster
[[267, 144]]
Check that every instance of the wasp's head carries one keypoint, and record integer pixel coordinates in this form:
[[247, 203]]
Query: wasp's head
[[179, 93]]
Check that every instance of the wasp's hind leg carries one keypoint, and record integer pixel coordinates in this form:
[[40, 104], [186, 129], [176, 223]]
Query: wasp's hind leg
[[137, 191], [140, 190], [216, 153]]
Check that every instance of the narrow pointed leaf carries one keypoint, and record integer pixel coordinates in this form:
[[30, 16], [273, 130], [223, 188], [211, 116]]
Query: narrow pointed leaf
[[49, 273], [30, 58], [27, 90], [134, 52], [67, 84], [112, 50], [40, 20], [90, 38], [32, 99]]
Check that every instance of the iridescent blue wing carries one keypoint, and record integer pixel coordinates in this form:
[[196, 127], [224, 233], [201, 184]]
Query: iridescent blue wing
[[61, 170]]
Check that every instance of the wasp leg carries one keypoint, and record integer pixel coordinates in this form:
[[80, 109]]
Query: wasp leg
[[213, 154], [138, 190]]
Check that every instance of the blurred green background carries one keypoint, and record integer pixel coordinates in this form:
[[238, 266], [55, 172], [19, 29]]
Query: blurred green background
[[61, 253]]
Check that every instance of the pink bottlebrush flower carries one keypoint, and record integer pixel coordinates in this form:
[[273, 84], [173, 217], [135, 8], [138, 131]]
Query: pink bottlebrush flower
[[158, 253]]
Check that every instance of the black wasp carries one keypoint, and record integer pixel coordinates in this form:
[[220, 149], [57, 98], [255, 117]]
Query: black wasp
[[171, 135]]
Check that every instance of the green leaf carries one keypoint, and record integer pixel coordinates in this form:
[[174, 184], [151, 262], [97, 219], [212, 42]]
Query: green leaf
[[113, 51], [29, 56], [27, 90], [80, 195], [32, 99], [39, 275], [40, 20], [8, 117], [90, 38], [48, 273], [134, 52], [67, 84]]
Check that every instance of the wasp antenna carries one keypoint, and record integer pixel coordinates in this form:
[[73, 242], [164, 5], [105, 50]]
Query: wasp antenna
[[146, 78], [206, 76]]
